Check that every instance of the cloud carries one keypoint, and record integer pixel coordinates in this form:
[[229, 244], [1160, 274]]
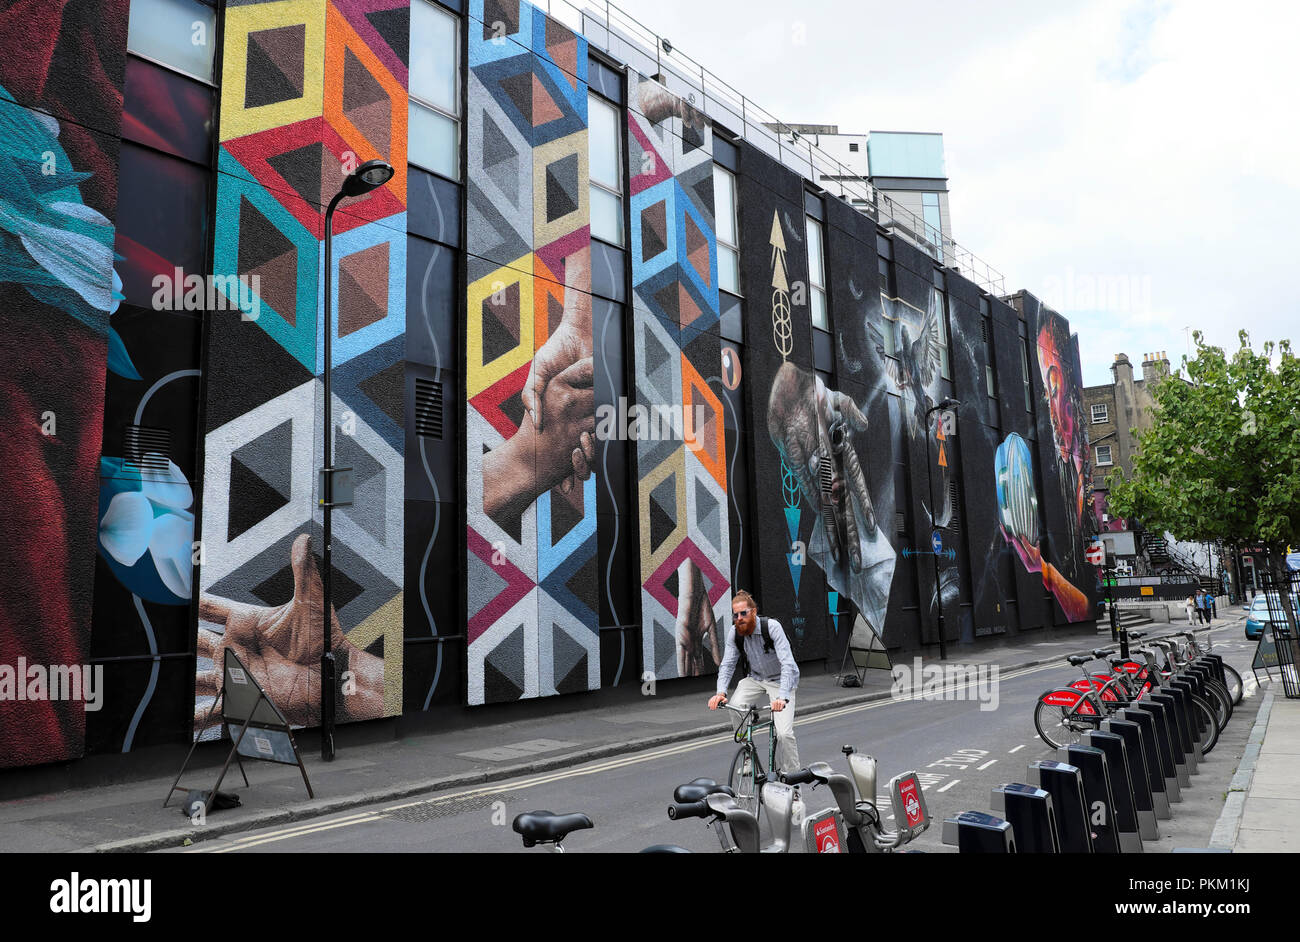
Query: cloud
[[1146, 142]]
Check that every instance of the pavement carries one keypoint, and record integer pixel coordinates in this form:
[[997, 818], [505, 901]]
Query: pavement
[[130, 816], [1262, 810]]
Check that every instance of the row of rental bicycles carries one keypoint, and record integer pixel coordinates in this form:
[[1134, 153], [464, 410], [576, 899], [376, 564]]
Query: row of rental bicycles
[[1128, 740], [758, 810], [1111, 682]]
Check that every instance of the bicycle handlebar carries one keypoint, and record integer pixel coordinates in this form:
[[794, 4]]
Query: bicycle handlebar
[[801, 777], [690, 809]]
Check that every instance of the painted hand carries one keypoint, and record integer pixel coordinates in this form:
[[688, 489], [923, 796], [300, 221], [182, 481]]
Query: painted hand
[[282, 646], [570, 342], [695, 625], [813, 428]]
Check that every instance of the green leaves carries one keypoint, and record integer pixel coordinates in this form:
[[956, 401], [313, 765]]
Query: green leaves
[[1222, 457]]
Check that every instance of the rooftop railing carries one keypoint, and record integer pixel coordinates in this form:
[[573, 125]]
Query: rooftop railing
[[611, 29]]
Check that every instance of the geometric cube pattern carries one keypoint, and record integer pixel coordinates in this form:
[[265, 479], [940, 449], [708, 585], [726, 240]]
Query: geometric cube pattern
[[682, 477], [311, 88], [531, 536]]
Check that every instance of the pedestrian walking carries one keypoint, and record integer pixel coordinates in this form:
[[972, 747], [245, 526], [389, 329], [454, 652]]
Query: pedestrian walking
[[1200, 607], [1209, 607], [1189, 604]]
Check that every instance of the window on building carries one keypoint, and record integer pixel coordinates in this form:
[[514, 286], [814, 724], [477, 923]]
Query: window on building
[[940, 308], [724, 210], [434, 112], [990, 378], [1103, 454], [605, 150], [853, 148], [888, 291], [933, 220], [1100, 413], [816, 275], [181, 34]]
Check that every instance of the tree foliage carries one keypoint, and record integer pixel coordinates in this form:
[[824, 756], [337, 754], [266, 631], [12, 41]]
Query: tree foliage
[[1222, 457]]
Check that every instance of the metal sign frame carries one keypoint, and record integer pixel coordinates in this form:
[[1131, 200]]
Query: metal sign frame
[[243, 701]]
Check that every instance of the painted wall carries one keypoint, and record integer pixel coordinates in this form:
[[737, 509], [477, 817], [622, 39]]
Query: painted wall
[[310, 90], [61, 77], [530, 412]]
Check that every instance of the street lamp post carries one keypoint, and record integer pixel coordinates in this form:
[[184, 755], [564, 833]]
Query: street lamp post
[[942, 405], [369, 176]]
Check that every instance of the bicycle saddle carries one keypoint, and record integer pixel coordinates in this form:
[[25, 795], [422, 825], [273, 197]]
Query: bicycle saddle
[[1118, 662], [1099, 653], [1077, 659], [699, 789], [542, 827]]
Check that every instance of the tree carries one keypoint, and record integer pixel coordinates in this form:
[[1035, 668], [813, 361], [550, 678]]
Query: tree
[[1222, 457]]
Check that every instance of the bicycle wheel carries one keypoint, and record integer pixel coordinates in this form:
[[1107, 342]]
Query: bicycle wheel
[[1055, 724], [743, 779], [1224, 705], [1235, 687], [1210, 730]]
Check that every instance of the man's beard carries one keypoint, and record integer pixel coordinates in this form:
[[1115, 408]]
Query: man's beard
[[745, 628]]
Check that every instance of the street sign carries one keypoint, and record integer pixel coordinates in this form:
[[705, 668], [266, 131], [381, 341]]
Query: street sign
[[1096, 554], [936, 540]]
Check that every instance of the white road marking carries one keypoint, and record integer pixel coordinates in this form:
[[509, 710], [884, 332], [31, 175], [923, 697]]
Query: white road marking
[[949, 785], [1017, 749], [985, 765]]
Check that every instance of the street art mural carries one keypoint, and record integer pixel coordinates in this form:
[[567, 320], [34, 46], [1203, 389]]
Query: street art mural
[[61, 75], [311, 89], [681, 469], [530, 412], [1064, 437]]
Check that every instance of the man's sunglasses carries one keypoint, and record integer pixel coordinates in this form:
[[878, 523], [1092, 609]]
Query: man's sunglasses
[[736, 616]]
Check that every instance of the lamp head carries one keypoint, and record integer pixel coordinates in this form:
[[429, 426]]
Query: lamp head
[[369, 176]]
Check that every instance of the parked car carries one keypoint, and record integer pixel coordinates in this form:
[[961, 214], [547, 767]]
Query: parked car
[[1258, 617]]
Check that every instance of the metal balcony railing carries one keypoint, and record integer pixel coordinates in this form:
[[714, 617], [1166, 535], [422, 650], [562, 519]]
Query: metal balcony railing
[[613, 30]]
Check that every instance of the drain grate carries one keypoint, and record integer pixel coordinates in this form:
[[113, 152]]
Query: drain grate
[[449, 808]]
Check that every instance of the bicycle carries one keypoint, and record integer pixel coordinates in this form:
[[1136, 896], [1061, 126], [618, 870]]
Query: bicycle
[[747, 776], [1062, 715]]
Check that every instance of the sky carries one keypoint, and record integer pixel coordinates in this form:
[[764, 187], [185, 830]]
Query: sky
[[1135, 164]]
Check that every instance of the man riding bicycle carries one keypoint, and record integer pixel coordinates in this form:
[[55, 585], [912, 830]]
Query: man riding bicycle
[[771, 671]]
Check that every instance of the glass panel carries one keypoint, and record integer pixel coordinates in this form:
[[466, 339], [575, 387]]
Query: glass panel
[[606, 216], [180, 33], [167, 112], [988, 380], [603, 145], [434, 144], [162, 220], [724, 205], [433, 56], [728, 269], [815, 270], [817, 299]]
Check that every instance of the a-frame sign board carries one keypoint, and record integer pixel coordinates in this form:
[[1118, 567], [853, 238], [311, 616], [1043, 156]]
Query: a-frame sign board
[[263, 732]]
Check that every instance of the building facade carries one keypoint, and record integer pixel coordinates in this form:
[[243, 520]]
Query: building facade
[[1117, 412], [599, 358]]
